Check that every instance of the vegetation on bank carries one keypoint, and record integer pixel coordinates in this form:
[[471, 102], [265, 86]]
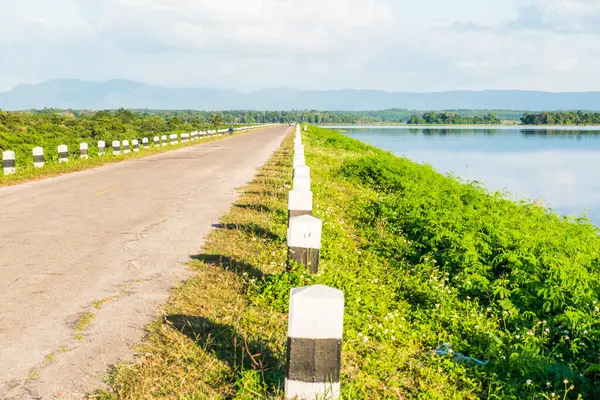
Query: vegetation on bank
[[22, 131], [561, 118], [31, 173], [447, 118], [451, 292]]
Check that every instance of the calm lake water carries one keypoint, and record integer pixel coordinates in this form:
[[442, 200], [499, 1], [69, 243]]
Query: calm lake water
[[559, 166]]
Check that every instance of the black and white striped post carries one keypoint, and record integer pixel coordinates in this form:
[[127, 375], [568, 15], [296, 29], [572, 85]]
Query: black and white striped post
[[173, 139], [156, 141], [145, 143], [116, 146], [304, 241], [185, 138], [38, 157], [63, 153], [9, 163], [314, 343], [299, 203], [101, 147], [126, 147], [136, 145], [83, 150], [163, 138]]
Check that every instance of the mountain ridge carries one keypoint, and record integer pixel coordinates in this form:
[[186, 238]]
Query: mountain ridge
[[117, 93]]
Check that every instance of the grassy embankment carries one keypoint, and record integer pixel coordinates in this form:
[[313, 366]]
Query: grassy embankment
[[53, 168], [422, 259]]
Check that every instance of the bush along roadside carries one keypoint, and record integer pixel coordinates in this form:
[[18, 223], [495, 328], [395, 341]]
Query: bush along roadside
[[75, 162], [451, 292]]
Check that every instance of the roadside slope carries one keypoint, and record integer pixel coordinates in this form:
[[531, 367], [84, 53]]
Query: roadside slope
[[223, 332], [88, 257], [451, 292]]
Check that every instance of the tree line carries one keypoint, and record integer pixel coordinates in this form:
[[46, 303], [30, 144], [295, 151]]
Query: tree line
[[561, 118], [21, 131], [447, 118]]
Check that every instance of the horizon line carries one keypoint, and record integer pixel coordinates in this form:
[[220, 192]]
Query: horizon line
[[288, 88]]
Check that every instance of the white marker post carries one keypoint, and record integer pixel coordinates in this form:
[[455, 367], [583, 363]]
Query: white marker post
[[301, 171], [314, 345], [299, 161], [126, 146], [63, 153], [173, 139], [301, 183], [38, 157], [9, 162], [83, 150], [101, 147], [136, 145], [305, 128], [299, 203], [116, 146], [156, 141], [304, 241], [185, 138], [145, 143], [164, 140]]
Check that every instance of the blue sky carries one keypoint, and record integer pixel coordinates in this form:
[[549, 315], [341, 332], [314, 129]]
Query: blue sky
[[395, 45]]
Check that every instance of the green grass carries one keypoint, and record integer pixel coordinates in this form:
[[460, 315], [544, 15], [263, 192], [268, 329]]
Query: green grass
[[98, 304], [422, 259], [84, 321], [50, 169]]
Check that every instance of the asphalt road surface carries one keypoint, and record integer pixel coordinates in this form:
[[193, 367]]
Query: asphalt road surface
[[122, 233]]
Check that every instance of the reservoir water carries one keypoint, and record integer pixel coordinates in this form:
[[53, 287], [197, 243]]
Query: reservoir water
[[558, 166]]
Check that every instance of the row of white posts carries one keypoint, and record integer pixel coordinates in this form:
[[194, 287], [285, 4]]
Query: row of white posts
[[316, 315], [9, 161]]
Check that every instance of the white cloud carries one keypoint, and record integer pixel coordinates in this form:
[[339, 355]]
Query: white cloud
[[427, 45]]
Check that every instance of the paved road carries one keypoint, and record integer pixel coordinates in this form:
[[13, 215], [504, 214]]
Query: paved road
[[121, 230]]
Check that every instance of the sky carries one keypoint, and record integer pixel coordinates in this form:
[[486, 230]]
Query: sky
[[393, 45]]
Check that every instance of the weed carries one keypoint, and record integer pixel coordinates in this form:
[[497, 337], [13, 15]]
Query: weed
[[84, 321], [100, 303]]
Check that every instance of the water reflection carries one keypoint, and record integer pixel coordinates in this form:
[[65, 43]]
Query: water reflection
[[558, 134], [446, 131], [554, 166]]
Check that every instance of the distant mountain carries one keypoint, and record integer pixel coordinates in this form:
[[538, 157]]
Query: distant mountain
[[112, 94]]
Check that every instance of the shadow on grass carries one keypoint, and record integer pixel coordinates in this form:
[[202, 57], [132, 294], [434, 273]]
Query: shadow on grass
[[269, 193], [230, 264], [253, 229], [230, 346], [282, 214], [255, 207], [282, 169]]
